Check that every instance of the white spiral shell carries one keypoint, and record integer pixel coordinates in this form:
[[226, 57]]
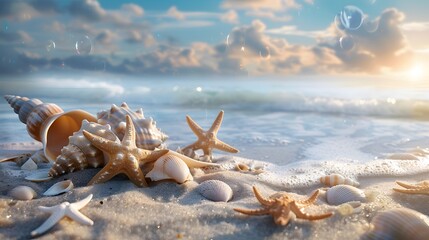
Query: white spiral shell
[[336, 179], [148, 136], [340, 194], [170, 166], [400, 223], [215, 190], [22, 193]]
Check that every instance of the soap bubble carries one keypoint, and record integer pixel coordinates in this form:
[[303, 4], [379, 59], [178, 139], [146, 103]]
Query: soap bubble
[[347, 43], [351, 17], [83, 46], [236, 40], [337, 21], [264, 53], [370, 26], [50, 46]]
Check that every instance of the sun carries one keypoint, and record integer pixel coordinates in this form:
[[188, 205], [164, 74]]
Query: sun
[[416, 72]]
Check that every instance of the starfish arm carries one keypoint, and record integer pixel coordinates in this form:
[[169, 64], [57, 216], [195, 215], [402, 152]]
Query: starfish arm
[[101, 143], [261, 199], [82, 203], [406, 185], [130, 133], [49, 223], [413, 191], [74, 214], [216, 124], [312, 199], [225, 147], [48, 209], [145, 156], [136, 176], [105, 174], [195, 127], [299, 214], [262, 211]]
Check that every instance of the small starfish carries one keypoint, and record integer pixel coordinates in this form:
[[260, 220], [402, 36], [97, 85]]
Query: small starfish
[[418, 188], [62, 210], [207, 140], [283, 208], [124, 156]]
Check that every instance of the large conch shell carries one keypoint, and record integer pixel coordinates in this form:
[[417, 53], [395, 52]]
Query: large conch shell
[[148, 136], [80, 153], [48, 123]]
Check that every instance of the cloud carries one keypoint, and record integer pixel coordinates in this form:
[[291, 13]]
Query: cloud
[[274, 5], [105, 37], [136, 9], [269, 15], [141, 37], [14, 37], [184, 24], [291, 30], [173, 12], [229, 17], [87, 9], [416, 26]]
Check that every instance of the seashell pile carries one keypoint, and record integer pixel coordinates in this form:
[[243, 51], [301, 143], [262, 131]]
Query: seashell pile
[[148, 135], [340, 194], [59, 188], [170, 166], [22, 193], [336, 179], [215, 190], [400, 223]]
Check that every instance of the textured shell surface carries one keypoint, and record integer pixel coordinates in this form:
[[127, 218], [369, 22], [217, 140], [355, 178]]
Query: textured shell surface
[[80, 153], [148, 136], [170, 166], [400, 223], [215, 190], [22, 193], [39, 176], [340, 194], [59, 188], [29, 165], [336, 179]]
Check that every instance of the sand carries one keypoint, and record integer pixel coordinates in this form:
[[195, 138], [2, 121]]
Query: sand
[[167, 210]]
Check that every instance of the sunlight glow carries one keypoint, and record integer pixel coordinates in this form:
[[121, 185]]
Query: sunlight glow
[[416, 72]]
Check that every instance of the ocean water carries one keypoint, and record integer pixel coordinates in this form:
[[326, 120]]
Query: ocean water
[[307, 123]]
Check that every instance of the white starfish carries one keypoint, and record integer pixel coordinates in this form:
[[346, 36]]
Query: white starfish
[[62, 210]]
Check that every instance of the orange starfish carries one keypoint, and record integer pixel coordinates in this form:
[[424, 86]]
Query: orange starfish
[[283, 208], [124, 157], [418, 188], [207, 140]]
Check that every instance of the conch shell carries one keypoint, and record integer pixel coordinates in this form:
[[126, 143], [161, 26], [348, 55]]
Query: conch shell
[[48, 123], [148, 135], [80, 153]]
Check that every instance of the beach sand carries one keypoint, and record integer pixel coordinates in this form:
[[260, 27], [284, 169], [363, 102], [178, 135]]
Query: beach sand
[[167, 210]]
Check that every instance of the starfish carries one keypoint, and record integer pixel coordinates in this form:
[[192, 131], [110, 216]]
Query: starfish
[[62, 210], [283, 208], [124, 157], [207, 140], [418, 188]]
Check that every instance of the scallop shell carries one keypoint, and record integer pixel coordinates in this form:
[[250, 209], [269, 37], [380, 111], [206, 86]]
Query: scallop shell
[[23, 193], [80, 153], [340, 194], [400, 223], [48, 123], [170, 166], [215, 190], [59, 188], [39, 176], [336, 179], [148, 136]]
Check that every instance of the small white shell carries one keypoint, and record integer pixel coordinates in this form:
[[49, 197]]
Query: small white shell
[[22, 193], [337, 179], [29, 165], [170, 166], [344, 193], [39, 176], [59, 187], [215, 190], [400, 223]]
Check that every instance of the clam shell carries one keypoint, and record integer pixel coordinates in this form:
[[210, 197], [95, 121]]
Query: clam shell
[[340, 194], [29, 165], [148, 136], [23, 193], [80, 153], [170, 166], [400, 223], [39, 176], [59, 188], [215, 190], [337, 179]]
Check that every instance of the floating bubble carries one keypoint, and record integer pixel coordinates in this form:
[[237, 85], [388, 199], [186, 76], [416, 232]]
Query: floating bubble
[[5, 26], [337, 21], [236, 40], [50, 46], [264, 53], [347, 43], [370, 26], [350, 17], [83, 46]]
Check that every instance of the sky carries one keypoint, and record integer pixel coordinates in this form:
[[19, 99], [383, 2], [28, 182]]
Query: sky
[[215, 37]]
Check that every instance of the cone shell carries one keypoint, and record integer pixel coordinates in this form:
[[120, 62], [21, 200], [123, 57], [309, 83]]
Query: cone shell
[[22, 193], [400, 223], [170, 166], [148, 136], [336, 179], [340, 194], [215, 190], [80, 153]]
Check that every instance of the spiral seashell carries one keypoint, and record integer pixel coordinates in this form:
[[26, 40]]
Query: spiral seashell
[[80, 153], [148, 136], [336, 179], [340, 194], [59, 188], [170, 166], [48, 123], [22, 193], [400, 223], [215, 190]]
